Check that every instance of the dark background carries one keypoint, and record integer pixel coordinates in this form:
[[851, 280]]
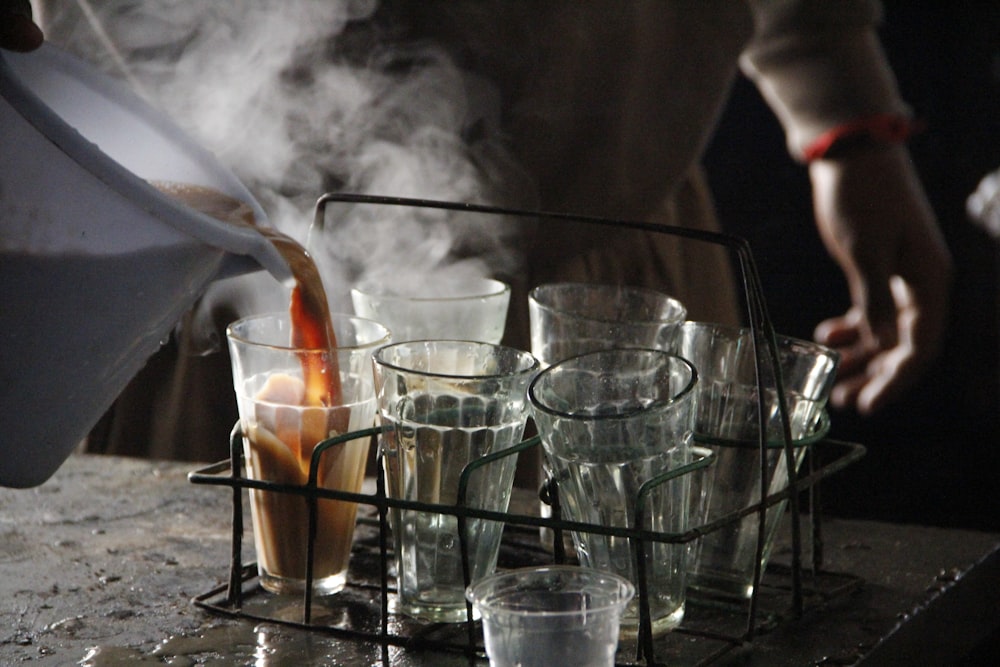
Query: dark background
[[934, 456]]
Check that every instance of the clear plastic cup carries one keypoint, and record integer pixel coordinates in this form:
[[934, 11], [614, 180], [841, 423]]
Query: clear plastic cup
[[551, 615]]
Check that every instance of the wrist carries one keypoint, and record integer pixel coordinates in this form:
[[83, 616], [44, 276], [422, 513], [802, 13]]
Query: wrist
[[865, 132]]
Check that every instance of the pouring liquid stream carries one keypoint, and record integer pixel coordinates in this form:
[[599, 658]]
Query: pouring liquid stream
[[287, 416], [309, 312]]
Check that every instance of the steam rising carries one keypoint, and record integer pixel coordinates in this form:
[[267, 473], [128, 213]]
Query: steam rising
[[269, 87]]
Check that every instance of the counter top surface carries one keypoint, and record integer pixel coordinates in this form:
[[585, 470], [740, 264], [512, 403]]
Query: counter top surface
[[99, 566]]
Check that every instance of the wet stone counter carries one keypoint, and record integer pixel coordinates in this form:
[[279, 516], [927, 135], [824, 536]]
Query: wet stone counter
[[99, 566]]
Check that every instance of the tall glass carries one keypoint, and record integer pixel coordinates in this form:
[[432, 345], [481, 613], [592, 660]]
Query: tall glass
[[610, 421], [568, 319], [444, 404], [280, 431], [727, 421], [475, 310]]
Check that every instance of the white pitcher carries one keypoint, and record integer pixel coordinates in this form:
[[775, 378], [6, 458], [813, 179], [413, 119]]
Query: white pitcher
[[96, 265]]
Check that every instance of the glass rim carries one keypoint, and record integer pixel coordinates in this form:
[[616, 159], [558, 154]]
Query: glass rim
[[473, 594], [815, 348], [672, 301], [498, 288], [687, 391], [520, 354], [232, 335]]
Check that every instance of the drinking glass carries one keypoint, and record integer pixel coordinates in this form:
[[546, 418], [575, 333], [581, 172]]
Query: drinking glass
[[727, 421], [444, 404], [568, 319], [281, 429], [611, 421], [551, 615], [476, 310]]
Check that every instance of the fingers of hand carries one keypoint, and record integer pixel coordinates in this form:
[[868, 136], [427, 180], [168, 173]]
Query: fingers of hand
[[847, 335], [875, 370]]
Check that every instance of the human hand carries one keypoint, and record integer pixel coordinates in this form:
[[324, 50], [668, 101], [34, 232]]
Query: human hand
[[875, 220], [17, 31]]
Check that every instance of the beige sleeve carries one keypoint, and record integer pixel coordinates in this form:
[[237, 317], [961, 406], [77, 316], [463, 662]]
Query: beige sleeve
[[819, 63]]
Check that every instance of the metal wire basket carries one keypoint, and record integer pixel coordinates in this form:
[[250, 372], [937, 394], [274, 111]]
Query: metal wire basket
[[726, 627]]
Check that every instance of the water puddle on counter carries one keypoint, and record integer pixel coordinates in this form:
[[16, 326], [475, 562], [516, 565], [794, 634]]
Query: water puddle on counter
[[263, 645], [276, 645], [270, 634]]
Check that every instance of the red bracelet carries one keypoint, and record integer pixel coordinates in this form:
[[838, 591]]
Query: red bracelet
[[882, 128]]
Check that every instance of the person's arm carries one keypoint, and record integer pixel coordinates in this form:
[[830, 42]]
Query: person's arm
[[821, 68], [876, 222], [18, 32]]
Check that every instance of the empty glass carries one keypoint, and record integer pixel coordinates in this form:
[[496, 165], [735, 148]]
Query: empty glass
[[475, 310], [444, 404], [567, 319], [727, 421], [610, 421], [551, 615]]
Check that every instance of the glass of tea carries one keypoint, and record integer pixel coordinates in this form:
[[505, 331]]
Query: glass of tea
[[283, 418]]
